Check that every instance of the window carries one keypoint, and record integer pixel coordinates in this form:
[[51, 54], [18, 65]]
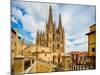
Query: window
[[93, 57], [54, 59], [45, 54], [58, 46], [53, 47], [93, 49]]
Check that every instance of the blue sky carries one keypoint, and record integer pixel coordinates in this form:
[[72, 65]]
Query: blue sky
[[28, 17]]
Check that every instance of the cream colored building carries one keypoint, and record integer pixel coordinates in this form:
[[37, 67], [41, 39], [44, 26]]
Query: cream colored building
[[92, 45], [92, 40]]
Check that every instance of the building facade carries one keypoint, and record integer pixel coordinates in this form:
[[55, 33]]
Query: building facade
[[52, 38], [92, 45]]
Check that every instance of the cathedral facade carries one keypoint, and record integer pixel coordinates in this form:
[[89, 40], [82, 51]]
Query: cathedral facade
[[53, 38]]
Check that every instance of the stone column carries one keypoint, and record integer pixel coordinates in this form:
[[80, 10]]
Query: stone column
[[31, 58], [66, 62], [19, 64]]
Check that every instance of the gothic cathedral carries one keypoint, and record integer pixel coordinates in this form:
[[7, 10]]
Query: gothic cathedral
[[53, 37]]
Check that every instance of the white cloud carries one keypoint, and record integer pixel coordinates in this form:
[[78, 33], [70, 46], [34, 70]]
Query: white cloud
[[27, 20], [14, 20], [16, 12], [28, 23], [79, 43], [34, 37]]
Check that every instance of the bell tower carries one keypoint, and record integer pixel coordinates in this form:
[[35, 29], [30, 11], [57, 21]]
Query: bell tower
[[50, 28]]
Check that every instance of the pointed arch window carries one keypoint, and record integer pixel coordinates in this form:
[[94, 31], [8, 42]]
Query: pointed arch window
[[58, 46], [54, 58]]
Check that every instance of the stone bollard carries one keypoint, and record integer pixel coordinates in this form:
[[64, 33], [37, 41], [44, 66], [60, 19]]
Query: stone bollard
[[18, 64]]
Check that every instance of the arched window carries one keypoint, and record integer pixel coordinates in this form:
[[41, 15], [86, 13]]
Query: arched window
[[59, 56], [53, 47], [58, 46], [54, 58], [53, 37], [42, 50]]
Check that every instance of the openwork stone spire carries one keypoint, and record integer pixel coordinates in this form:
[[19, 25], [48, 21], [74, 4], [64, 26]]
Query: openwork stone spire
[[60, 22], [50, 19]]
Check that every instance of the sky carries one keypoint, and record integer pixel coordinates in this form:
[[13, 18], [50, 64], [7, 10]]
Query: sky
[[28, 17]]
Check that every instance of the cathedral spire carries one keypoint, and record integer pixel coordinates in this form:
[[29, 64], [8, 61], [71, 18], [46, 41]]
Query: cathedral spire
[[38, 33], [46, 27], [50, 19], [37, 37], [60, 22]]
